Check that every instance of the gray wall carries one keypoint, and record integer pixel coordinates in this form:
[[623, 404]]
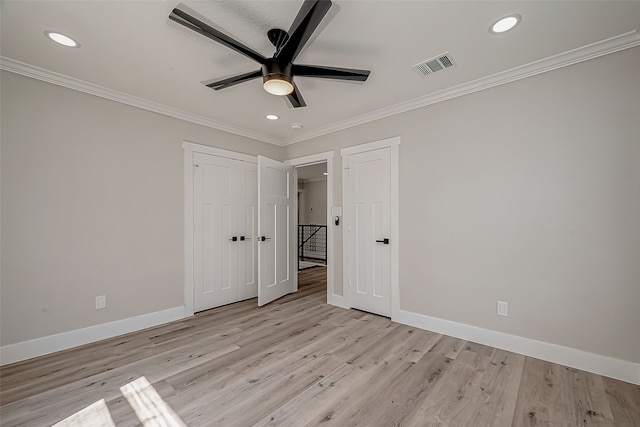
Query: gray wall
[[92, 204], [528, 193], [315, 196]]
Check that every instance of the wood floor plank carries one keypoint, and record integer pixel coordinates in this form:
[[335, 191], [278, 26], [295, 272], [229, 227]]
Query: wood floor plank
[[414, 343], [448, 346], [551, 393], [390, 405], [304, 405], [499, 387], [624, 401], [482, 350], [337, 407], [454, 397], [299, 361], [249, 400]]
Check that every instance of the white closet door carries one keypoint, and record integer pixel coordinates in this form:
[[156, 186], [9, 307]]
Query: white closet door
[[277, 248], [369, 231], [215, 253], [248, 232]]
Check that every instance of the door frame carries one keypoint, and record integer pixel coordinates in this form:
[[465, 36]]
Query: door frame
[[326, 157], [189, 149], [393, 144]]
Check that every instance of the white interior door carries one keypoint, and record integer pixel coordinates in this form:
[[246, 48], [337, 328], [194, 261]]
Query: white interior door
[[215, 254], [369, 231], [225, 198], [248, 233], [277, 251]]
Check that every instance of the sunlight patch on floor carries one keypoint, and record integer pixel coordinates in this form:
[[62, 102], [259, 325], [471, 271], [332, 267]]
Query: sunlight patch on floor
[[149, 406], [97, 415]]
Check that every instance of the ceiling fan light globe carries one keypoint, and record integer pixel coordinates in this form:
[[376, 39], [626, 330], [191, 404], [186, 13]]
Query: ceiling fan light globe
[[278, 85]]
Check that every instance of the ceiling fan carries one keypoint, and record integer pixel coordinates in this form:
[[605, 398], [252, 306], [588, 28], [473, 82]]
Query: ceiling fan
[[277, 72]]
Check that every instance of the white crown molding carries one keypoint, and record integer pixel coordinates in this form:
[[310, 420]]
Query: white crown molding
[[570, 57], [604, 47], [44, 75]]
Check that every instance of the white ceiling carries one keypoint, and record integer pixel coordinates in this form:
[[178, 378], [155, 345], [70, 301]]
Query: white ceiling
[[133, 48]]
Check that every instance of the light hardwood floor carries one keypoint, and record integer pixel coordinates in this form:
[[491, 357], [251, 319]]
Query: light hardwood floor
[[299, 362]]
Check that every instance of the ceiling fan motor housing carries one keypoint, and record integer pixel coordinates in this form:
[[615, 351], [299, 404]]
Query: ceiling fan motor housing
[[274, 71]]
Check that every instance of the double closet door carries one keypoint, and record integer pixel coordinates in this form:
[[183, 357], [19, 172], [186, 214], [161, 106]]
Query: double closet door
[[225, 197]]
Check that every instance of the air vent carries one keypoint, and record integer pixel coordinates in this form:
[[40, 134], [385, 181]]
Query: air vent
[[432, 65]]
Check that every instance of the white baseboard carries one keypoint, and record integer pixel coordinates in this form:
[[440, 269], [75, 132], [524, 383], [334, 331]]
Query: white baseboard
[[63, 341], [590, 362]]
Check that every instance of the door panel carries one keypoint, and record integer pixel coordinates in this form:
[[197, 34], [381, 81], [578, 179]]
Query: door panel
[[277, 252], [266, 248], [282, 242], [370, 195]]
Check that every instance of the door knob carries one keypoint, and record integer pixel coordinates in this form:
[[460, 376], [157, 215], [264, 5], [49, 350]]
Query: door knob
[[385, 241], [234, 239], [263, 238], [242, 238]]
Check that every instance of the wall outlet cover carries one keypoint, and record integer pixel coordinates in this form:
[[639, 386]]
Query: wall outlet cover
[[503, 308], [101, 302]]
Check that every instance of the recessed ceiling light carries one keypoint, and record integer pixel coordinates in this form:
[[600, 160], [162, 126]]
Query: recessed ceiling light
[[505, 24], [62, 39], [296, 126], [272, 117]]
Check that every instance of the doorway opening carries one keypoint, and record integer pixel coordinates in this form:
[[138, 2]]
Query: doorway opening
[[315, 223], [312, 216], [312, 225]]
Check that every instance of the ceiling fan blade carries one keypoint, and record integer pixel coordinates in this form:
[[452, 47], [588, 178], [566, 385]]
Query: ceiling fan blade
[[309, 17], [234, 80], [330, 72], [295, 98], [193, 23]]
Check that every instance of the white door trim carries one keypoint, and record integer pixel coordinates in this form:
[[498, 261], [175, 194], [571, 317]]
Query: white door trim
[[205, 149], [332, 297], [393, 144], [189, 149]]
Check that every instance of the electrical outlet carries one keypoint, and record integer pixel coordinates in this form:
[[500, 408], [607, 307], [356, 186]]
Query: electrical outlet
[[503, 308], [101, 302]]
